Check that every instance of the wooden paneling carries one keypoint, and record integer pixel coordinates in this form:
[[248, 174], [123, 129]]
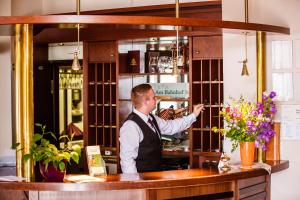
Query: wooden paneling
[[259, 196], [251, 181], [93, 195], [102, 51], [252, 190], [191, 191], [207, 47], [12, 194], [273, 147]]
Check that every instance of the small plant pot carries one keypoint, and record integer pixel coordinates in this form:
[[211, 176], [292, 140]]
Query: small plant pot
[[51, 174], [247, 153]]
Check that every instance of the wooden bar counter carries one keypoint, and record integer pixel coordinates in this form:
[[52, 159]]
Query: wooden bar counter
[[204, 183]]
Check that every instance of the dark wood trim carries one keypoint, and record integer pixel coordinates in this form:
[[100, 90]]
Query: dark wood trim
[[141, 20], [278, 165]]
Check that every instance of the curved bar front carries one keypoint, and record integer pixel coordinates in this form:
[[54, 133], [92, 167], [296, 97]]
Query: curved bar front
[[236, 183]]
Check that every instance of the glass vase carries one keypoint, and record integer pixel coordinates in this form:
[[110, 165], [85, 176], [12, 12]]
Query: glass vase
[[260, 155]]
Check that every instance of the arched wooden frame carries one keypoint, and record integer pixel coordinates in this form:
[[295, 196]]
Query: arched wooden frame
[[142, 22], [188, 26]]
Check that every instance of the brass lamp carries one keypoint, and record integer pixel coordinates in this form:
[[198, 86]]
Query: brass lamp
[[245, 71], [76, 64]]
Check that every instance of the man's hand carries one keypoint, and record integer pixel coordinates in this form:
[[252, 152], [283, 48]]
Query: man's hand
[[197, 109]]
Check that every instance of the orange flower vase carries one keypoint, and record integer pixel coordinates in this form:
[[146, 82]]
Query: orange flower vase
[[247, 153]]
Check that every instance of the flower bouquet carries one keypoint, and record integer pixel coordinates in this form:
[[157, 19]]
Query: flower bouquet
[[249, 122]]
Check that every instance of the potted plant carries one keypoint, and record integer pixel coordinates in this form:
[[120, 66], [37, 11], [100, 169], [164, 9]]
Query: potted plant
[[248, 125], [52, 161]]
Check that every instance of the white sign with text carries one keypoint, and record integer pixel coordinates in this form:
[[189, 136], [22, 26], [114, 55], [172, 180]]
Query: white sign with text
[[174, 90]]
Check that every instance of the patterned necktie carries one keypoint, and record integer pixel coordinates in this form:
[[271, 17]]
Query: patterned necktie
[[153, 126]]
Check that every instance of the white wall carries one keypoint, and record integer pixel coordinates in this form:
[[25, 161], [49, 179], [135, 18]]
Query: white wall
[[26, 7], [285, 185], [59, 6], [8, 8], [5, 87]]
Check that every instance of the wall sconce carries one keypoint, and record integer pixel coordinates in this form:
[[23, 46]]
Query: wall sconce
[[76, 64]]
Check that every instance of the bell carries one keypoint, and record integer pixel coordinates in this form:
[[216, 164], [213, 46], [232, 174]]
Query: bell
[[245, 71], [76, 64]]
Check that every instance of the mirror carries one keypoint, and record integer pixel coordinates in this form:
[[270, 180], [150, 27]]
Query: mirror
[[70, 102]]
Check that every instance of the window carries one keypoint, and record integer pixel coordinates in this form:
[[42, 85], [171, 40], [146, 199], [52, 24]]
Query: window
[[283, 72]]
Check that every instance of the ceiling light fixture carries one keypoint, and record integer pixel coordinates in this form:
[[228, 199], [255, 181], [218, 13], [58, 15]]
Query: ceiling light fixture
[[76, 64]]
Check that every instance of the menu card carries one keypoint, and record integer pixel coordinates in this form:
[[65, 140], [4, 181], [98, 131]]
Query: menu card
[[95, 161]]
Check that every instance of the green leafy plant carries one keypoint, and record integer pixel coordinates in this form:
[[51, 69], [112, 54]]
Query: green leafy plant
[[42, 150]]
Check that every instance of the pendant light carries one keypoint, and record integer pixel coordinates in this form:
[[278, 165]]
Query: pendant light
[[76, 64], [175, 60], [245, 71]]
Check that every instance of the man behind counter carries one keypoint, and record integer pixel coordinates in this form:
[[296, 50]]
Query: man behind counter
[[140, 135]]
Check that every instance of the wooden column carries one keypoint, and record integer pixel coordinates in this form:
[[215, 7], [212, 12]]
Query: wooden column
[[23, 97]]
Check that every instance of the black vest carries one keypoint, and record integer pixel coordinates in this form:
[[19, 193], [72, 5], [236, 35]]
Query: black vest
[[149, 153]]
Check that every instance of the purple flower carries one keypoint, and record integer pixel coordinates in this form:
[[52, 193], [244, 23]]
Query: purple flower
[[260, 108], [254, 112], [264, 97], [273, 108], [272, 94], [250, 123]]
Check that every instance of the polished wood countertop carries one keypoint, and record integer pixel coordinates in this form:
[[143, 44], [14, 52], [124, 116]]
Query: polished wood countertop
[[150, 180]]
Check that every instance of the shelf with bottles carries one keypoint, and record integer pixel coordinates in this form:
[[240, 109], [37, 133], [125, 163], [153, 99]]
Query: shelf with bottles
[[70, 79], [153, 56]]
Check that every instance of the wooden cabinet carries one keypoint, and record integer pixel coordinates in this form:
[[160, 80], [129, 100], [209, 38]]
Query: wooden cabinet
[[206, 85], [100, 98], [206, 47]]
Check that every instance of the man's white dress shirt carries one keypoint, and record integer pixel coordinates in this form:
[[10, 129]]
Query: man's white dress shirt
[[131, 135]]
